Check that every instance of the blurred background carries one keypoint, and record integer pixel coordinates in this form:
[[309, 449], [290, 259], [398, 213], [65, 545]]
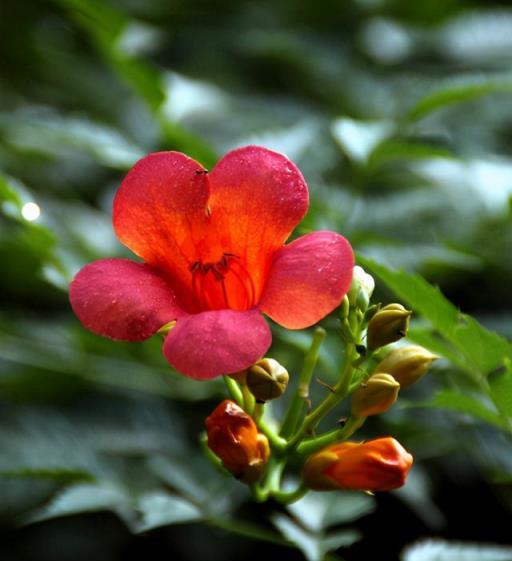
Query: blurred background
[[398, 113]]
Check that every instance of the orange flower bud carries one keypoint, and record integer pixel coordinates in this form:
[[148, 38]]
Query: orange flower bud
[[233, 436], [375, 465]]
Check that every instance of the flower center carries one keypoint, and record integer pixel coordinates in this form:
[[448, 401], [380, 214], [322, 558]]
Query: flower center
[[223, 284]]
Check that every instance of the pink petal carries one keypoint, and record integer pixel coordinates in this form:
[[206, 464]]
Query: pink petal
[[218, 342], [308, 279], [123, 300], [257, 197]]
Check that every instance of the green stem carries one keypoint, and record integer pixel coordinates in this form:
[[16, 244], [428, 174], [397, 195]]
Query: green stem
[[275, 469], [340, 391], [258, 494], [275, 440], [298, 401], [234, 390], [308, 447], [215, 460], [249, 401], [259, 408], [271, 481], [288, 497]]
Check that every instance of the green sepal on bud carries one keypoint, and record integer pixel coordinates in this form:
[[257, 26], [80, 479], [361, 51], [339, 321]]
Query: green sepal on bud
[[361, 288], [267, 379], [388, 325], [377, 395], [407, 364]]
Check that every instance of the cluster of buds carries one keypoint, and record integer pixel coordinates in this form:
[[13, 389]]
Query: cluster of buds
[[235, 437], [381, 464], [399, 369]]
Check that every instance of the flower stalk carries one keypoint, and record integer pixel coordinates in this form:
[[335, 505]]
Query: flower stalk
[[299, 399]]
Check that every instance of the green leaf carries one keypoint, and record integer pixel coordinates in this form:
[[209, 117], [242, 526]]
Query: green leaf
[[162, 509], [481, 350], [314, 546], [56, 136], [61, 475], [434, 342], [458, 90], [318, 511], [392, 150], [359, 138], [501, 391], [9, 195], [438, 550], [417, 292], [452, 400], [249, 530], [86, 498], [106, 27], [315, 513]]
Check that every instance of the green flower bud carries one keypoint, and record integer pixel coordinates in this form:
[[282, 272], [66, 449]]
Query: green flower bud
[[388, 325], [375, 396], [407, 364], [267, 379], [362, 287], [344, 308]]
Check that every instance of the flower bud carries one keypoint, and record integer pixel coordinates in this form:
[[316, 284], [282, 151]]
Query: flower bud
[[267, 379], [407, 364], [375, 465], [233, 436], [375, 396], [388, 325], [361, 288]]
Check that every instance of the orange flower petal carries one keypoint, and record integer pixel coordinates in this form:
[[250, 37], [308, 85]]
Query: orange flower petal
[[257, 197], [160, 213]]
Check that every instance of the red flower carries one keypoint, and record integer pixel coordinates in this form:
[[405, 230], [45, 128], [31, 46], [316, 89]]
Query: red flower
[[214, 259], [233, 436], [375, 465]]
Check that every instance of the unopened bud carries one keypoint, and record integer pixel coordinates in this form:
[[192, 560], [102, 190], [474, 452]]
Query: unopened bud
[[267, 379], [375, 465], [361, 288], [388, 325], [377, 395], [233, 436], [344, 308], [407, 364]]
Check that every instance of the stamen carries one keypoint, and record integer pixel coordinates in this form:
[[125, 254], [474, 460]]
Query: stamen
[[224, 293], [252, 297], [213, 294]]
